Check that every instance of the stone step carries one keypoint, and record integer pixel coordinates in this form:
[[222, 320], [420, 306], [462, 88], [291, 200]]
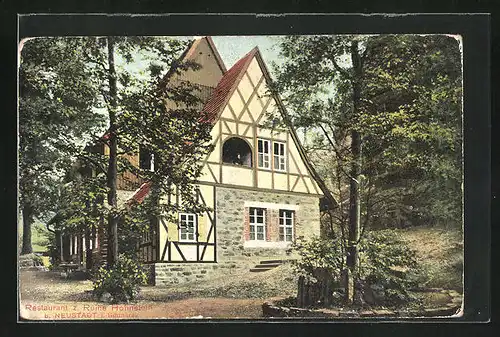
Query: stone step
[[259, 270], [268, 265], [275, 261]]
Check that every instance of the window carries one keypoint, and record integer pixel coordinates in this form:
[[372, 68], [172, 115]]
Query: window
[[286, 225], [146, 159], [264, 153], [236, 151], [257, 224], [279, 156], [187, 225]]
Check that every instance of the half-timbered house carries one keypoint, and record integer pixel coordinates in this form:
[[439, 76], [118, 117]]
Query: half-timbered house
[[260, 188]]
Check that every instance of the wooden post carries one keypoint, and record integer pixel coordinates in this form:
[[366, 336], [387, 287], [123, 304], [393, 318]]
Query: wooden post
[[70, 246]]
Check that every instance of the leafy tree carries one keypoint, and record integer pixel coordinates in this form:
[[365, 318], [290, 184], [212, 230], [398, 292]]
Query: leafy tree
[[56, 96], [143, 112], [386, 109]]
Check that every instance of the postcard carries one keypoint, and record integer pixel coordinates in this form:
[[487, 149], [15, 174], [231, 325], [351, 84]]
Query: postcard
[[241, 177]]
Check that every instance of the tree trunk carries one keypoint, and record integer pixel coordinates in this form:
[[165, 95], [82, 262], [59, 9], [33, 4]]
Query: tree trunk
[[355, 172], [80, 251], [27, 248], [112, 164], [88, 250], [59, 248]]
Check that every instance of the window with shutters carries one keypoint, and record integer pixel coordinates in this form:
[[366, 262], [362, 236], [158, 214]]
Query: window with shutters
[[286, 225], [257, 224], [263, 153]]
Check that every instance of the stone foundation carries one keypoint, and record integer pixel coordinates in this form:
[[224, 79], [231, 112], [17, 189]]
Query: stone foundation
[[176, 273]]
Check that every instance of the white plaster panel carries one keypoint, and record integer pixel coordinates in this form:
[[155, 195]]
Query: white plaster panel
[[264, 179], [245, 88], [280, 181], [237, 175], [254, 71]]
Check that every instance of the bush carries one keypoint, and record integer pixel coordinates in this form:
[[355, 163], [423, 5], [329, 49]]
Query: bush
[[317, 253], [387, 261], [121, 281]]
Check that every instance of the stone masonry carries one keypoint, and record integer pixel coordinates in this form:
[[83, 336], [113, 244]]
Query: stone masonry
[[232, 256], [231, 217]]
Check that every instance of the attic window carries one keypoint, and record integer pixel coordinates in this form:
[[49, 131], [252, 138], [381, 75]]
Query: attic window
[[236, 151]]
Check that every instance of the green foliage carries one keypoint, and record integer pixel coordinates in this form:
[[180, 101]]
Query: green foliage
[[56, 96], [408, 113], [317, 253], [386, 260], [135, 223], [70, 89], [121, 281]]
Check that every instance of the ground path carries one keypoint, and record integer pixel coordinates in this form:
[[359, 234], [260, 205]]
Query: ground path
[[47, 296], [217, 308]]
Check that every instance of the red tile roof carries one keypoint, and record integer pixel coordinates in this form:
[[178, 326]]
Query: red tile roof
[[226, 87], [141, 193]]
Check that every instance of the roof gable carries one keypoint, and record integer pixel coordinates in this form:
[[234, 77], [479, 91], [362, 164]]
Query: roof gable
[[221, 95], [226, 87], [294, 136], [189, 53]]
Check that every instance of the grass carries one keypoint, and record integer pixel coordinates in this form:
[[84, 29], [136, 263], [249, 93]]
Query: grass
[[278, 282], [439, 252], [39, 234]]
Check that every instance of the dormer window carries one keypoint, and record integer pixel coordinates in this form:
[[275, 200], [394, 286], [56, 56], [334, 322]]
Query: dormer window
[[236, 151]]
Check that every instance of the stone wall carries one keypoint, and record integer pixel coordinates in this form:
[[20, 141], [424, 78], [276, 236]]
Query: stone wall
[[230, 218], [283, 308], [175, 273], [232, 256]]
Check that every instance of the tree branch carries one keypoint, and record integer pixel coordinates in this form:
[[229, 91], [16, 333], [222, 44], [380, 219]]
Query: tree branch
[[337, 153], [93, 161], [95, 61], [340, 69]]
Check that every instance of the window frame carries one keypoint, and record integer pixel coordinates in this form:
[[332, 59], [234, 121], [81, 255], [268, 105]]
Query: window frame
[[283, 225], [180, 227], [253, 212], [281, 146], [264, 154]]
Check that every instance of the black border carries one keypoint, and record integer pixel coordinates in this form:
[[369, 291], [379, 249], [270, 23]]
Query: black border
[[475, 32]]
